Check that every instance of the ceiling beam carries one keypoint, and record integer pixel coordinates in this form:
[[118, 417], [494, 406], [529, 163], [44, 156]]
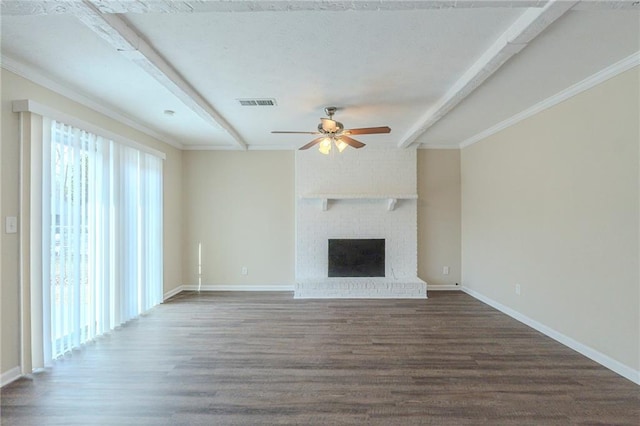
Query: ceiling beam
[[39, 76], [123, 37], [42, 7], [527, 27], [124, 6], [46, 7]]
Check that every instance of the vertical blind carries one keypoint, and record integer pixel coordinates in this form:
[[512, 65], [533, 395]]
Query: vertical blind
[[102, 242]]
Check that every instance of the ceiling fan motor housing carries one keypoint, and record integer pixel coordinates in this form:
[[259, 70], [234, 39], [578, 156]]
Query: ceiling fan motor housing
[[330, 127], [333, 131]]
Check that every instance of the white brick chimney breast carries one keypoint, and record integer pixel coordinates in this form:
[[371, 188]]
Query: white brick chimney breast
[[364, 193]]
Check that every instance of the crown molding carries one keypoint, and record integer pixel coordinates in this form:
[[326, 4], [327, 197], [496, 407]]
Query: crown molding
[[288, 147], [122, 35], [437, 146], [517, 37], [47, 7], [27, 105], [211, 148], [586, 84], [32, 74], [272, 148]]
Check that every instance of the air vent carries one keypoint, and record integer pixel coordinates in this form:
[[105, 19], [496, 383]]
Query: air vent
[[257, 102], [265, 102]]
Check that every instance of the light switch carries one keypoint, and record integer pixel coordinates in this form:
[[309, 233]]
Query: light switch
[[11, 225], [445, 270]]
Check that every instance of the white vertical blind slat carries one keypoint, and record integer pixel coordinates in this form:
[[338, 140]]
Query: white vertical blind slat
[[103, 206], [48, 241]]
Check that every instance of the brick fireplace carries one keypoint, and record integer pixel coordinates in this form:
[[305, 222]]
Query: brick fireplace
[[357, 194]]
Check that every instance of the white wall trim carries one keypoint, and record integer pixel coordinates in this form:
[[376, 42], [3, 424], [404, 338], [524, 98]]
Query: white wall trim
[[10, 375], [169, 294], [272, 148], [531, 23], [234, 148], [36, 77], [444, 287], [211, 148], [586, 84], [124, 37], [437, 146], [227, 287], [238, 287], [28, 105], [602, 359]]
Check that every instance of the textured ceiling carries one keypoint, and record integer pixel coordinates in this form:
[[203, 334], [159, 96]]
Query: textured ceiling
[[437, 72]]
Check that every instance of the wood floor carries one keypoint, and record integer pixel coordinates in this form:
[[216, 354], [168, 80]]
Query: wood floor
[[265, 358]]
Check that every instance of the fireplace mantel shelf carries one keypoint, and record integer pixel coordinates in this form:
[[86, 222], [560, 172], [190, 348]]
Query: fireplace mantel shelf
[[391, 199]]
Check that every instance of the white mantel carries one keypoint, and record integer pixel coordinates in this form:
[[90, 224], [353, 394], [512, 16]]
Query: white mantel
[[364, 193], [391, 199]]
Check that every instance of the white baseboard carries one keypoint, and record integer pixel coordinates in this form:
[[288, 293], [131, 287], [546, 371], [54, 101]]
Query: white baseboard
[[237, 287], [10, 376], [443, 287], [227, 287], [602, 359], [172, 293]]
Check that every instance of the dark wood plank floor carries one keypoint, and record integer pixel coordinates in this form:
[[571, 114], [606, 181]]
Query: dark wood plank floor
[[265, 358]]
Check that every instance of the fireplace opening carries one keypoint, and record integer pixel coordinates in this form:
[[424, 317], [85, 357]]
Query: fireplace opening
[[356, 257]]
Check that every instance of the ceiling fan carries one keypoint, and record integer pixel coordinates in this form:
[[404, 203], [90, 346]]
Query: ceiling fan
[[334, 131]]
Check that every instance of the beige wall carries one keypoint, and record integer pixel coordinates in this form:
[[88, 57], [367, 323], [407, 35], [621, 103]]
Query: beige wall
[[552, 204], [13, 88], [439, 216], [240, 207]]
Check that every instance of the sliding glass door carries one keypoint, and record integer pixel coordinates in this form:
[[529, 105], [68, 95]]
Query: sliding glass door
[[102, 236]]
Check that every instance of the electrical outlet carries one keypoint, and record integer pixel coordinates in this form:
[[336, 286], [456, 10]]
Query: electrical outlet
[[518, 289], [244, 270], [445, 270]]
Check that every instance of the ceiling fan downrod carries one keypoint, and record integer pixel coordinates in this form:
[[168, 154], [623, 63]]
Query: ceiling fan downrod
[[330, 111]]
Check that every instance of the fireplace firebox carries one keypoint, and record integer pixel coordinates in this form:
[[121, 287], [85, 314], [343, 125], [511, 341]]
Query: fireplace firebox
[[356, 258]]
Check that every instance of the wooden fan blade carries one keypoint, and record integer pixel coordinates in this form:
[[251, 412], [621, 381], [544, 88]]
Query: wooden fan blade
[[368, 130], [301, 133], [352, 142], [312, 143]]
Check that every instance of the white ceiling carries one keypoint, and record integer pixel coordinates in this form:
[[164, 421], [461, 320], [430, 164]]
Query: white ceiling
[[437, 72]]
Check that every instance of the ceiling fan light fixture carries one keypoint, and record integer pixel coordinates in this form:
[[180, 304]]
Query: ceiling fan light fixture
[[340, 144], [334, 133], [325, 146]]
